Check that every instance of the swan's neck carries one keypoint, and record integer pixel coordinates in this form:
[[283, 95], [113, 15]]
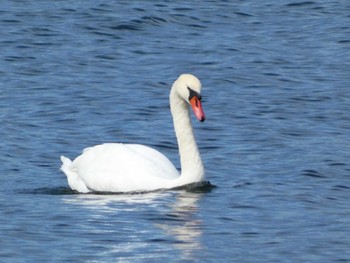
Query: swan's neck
[[192, 169]]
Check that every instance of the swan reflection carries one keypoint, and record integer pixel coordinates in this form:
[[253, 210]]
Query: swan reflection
[[187, 228], [143, 225]]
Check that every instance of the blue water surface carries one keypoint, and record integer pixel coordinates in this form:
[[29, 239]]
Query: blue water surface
[[276, 141]]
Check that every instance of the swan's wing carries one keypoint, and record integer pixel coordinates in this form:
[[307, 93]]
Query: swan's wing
[[154, 158], [124, 167]]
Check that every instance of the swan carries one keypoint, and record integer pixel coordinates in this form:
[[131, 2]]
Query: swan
[[118, 167]]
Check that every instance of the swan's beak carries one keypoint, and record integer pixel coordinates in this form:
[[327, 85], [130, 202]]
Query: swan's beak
[[197, 108]]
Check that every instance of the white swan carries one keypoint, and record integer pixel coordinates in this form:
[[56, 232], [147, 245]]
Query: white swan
[[117, 167]]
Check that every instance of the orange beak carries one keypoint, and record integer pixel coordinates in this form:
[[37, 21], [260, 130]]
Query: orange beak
[[197, 108]]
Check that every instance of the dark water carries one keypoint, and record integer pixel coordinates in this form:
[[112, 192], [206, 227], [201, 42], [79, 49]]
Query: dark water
[[276, 142]]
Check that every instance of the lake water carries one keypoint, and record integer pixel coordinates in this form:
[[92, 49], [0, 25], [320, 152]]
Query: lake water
[[276, 142]]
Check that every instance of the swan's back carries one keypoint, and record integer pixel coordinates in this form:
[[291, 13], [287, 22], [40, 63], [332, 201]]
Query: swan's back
[[118, 167]]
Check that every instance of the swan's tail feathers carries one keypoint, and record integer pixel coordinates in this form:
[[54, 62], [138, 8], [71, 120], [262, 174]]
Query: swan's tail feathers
[[74, 180]]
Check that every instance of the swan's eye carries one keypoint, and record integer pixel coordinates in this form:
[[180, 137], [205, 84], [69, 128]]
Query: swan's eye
[[194, 94]]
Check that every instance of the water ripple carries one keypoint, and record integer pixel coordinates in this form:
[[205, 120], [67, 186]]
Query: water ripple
[[275, 82]]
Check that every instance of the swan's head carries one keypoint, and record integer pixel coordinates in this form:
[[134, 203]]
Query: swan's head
[[188, 87]]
